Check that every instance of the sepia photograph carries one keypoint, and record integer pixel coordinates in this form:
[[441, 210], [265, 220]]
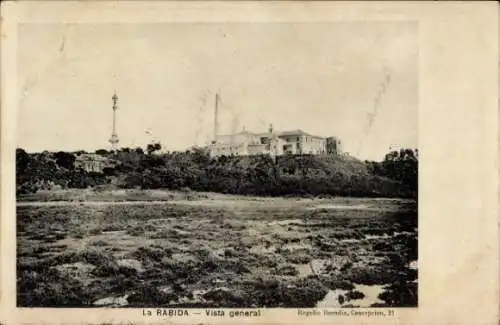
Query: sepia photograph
[[217, 165]]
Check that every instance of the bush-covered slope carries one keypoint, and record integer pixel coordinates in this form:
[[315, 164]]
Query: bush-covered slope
[[249, 175]]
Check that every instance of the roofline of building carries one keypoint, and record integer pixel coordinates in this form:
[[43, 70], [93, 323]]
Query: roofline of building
[[303, 133], [278, 134]]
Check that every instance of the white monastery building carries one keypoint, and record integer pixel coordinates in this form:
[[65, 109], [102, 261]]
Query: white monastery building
[[296, 142]]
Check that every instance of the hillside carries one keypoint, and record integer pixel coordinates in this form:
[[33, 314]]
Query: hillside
[[249, 175]]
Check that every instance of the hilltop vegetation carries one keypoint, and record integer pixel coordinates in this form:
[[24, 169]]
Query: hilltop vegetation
[[395, 176]]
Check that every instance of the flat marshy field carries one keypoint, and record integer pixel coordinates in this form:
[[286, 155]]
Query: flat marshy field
[[211, 250]]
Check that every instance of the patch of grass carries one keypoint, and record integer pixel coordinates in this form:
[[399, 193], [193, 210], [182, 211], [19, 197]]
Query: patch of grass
[[100, 243], [335, 284], [94, 231], [169, 234], [302, 293], [227, 298], [152, 254], [215, 265], [371, 275], [151, 297], [233, 225], [231, 252], [286, 270], [111, 227], [149, 227], [136, 231], [298, 258], [347, 234]]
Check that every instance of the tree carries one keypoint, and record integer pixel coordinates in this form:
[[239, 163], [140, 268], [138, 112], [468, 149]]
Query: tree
[[109, 171], [152, 147], [200, 156], [22, 160], [65, 160], [102, 152], [402, 166]]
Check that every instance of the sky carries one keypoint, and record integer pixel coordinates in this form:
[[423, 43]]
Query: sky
[[353, 80]]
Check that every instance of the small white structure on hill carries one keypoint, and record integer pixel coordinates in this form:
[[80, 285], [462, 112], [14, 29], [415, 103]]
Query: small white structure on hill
[[91, 162]]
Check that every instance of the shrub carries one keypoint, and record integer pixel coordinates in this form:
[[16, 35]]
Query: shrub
[[353, 295], [136, 231], [151, 297], [287, 270], [301, 293], [400, 294]]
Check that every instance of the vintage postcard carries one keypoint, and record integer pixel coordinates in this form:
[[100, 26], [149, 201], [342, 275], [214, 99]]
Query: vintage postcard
[[249, 162]]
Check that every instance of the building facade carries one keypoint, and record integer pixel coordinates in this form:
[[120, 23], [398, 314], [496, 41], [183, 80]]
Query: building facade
[[296, 142], [333, 146]]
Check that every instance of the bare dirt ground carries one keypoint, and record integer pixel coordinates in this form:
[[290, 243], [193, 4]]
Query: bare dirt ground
[[217, 251]]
